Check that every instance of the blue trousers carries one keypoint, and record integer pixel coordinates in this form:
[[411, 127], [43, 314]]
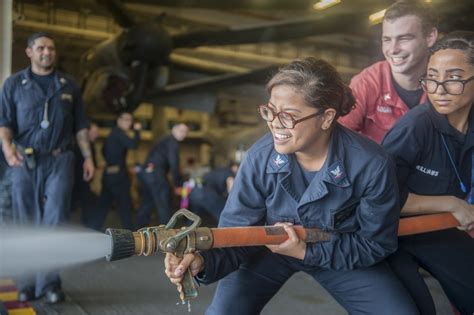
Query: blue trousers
[[115, 187], [449, 256], [373, 290], [84, 199], [6, 210], [42, 197], [155, 193]]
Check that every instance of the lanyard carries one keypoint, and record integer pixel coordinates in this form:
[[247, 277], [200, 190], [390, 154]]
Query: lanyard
[[470, 197]]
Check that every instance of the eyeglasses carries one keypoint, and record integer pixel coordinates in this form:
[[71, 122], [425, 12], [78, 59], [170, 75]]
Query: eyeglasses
[[286, 119], [453, 87]]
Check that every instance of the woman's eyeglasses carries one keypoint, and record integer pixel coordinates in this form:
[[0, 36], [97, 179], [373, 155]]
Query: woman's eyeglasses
[[453, 87], [286, 119]]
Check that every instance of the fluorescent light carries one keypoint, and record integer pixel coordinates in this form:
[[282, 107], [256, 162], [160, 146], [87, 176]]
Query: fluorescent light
[[324, 4], [377, 17]]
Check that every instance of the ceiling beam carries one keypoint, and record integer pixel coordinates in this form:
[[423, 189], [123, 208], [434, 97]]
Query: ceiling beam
[[74, 31]]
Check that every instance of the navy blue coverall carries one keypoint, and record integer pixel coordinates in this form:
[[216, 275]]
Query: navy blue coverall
[[42, 195], [115, 180], [424, 168], [212, 194], [353, 196], [155, 190], [6, 210], [82, 195]]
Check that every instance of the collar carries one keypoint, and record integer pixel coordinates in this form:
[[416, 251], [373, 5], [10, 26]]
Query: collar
[[333, 170], [389, 93], [441, 122], [278, 163], [27, 79]]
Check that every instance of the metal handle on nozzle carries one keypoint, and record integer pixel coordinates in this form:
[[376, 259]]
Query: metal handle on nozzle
[[151, 240], [171, 244]]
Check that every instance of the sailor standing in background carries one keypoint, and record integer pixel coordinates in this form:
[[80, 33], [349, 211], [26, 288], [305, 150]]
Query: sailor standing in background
[[115, 180], [211, 194], [155, 190], [40, 112], [6, 211], [82, 196]]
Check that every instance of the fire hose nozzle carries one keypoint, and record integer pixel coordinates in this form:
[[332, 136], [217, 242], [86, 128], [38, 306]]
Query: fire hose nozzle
[[123, 244], [151, 240]]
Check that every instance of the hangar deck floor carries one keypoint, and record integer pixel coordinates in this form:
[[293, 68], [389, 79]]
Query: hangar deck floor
[[138, 286]]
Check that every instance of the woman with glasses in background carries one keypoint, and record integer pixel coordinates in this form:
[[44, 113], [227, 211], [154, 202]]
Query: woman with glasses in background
[[432, 147], [309, 171]]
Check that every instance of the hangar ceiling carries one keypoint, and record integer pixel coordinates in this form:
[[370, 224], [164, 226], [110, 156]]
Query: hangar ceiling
[[82, 24]]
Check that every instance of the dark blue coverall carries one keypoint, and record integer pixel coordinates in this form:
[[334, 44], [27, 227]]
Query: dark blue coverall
[[354, 196], [6, 209], [115, 180], [212, 194], [424, 168], [82, 195], [42, 195], [155, 190]]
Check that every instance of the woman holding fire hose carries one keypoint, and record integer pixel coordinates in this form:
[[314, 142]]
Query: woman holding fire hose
[[310, 171]]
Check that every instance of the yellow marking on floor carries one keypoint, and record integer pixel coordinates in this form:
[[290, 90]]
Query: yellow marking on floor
[[8, 296], [22, 311]]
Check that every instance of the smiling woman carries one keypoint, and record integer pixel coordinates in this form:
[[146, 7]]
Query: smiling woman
[[309, 171], [296, 92], [433, 147]]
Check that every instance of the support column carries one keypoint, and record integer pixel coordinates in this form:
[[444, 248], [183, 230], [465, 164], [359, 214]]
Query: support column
[[6, 7]]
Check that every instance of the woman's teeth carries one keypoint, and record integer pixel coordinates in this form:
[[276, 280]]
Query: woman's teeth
[[281, 136]]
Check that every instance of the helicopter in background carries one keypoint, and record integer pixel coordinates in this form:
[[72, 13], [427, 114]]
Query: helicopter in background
[[136, 65]]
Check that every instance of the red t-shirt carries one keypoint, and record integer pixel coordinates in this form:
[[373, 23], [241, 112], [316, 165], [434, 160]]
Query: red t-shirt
[[378, 105]]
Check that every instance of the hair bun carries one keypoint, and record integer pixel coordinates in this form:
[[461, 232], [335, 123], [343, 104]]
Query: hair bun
[[347, 101]]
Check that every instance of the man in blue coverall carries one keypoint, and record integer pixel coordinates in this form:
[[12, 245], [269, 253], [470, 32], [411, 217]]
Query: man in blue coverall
[[5, 191], [115, 180], [82, 195], [155, 189], [41, 111], [210, 195]]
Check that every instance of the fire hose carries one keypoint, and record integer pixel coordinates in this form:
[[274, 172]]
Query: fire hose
[[168, 239]]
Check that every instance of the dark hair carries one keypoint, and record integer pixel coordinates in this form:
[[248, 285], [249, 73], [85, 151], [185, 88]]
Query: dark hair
[[123, 112], [233, 163], [31, 40], [461, 40], [177, 123], [423, 11], [318, 82]]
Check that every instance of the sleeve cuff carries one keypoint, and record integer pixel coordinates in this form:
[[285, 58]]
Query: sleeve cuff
[[207, 275]]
